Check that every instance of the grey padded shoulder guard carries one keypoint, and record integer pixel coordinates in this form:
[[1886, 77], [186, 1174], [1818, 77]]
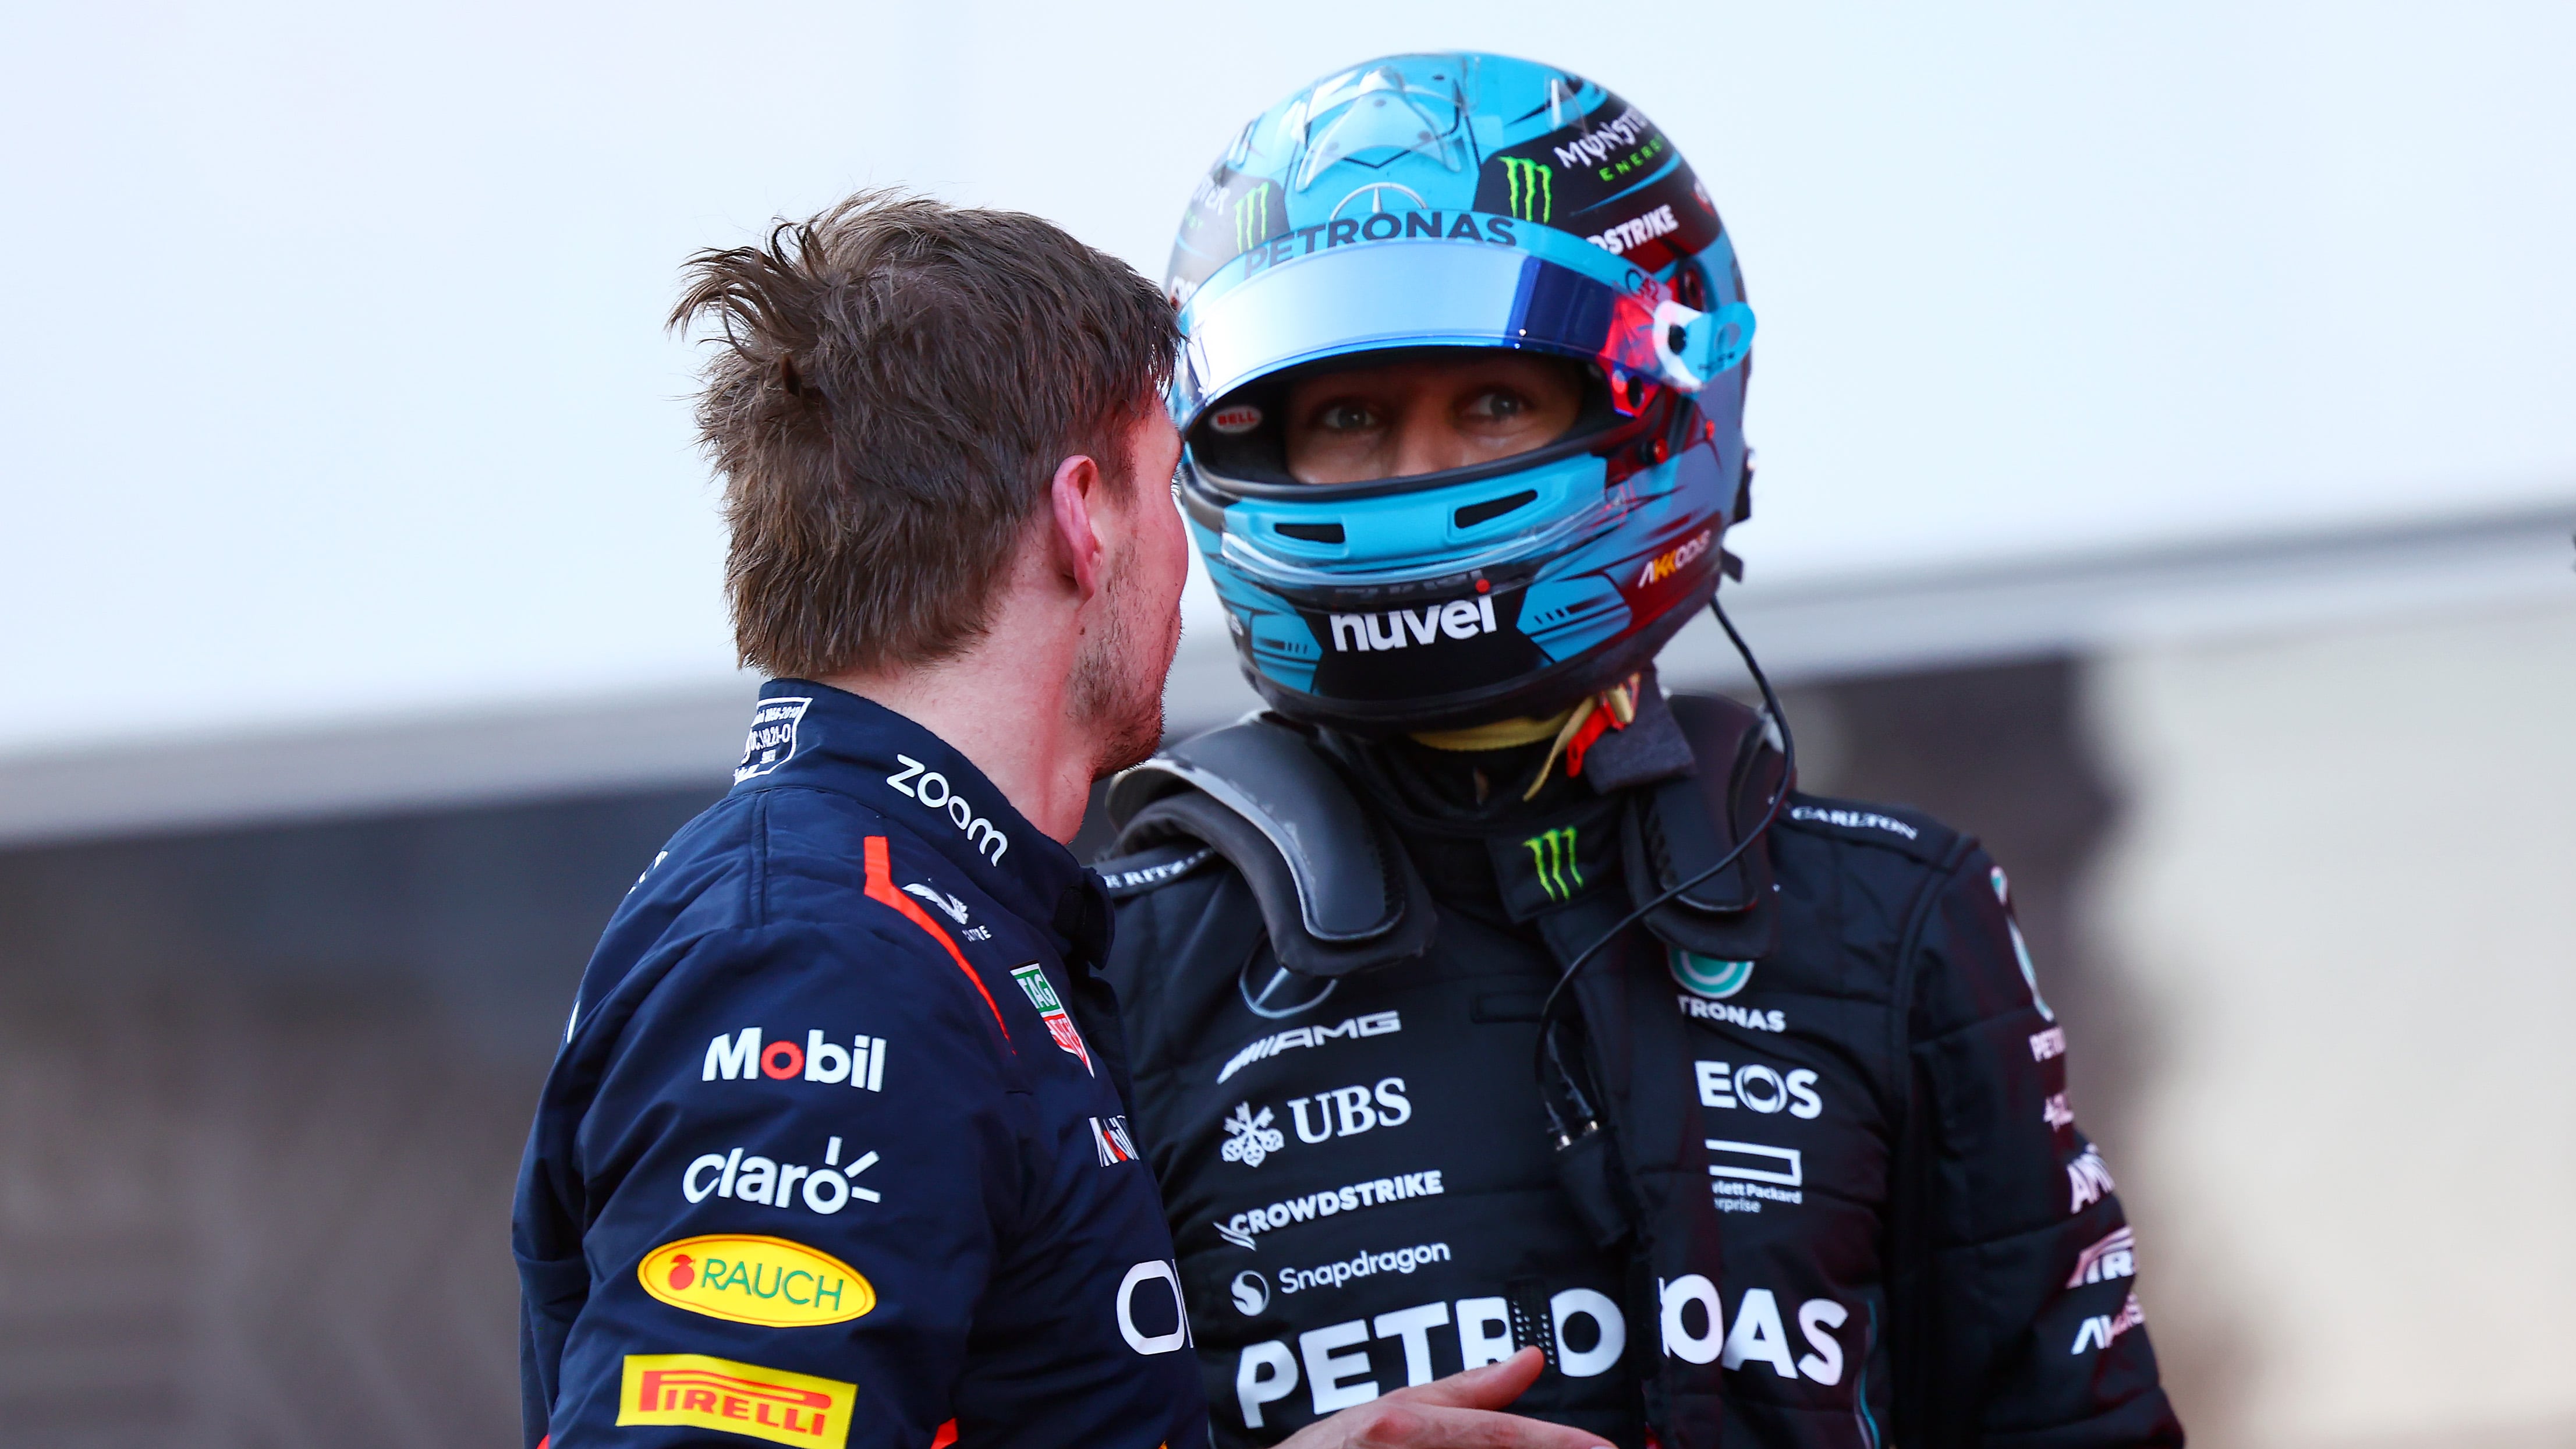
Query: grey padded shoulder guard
[[1336, 891]]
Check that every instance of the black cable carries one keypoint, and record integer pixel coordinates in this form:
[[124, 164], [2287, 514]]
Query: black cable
[[1547, 1055]]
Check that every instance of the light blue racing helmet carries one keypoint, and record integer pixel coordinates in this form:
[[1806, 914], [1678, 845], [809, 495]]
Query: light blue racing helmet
[[1460, 201]]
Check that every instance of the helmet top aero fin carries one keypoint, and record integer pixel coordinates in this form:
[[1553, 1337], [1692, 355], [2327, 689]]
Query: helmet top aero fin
[[1441, 202]]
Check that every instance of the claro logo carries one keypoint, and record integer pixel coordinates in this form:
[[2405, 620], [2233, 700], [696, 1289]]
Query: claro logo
[[1396, 628], [919, 782]]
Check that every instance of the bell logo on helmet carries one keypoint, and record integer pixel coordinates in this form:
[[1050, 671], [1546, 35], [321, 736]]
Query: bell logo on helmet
[[1241, 418], [1457, 619]]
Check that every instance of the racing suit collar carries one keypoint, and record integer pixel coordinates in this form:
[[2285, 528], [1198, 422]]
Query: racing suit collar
[[813, 736]]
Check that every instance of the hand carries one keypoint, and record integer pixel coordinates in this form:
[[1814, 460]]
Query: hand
[[1452, 1413]]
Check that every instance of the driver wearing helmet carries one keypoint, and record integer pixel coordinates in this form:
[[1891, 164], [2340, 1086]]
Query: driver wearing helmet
[[1480, 995]]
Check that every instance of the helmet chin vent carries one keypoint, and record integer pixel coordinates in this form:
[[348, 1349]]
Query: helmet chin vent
[[1491, 508], [1317, 532]]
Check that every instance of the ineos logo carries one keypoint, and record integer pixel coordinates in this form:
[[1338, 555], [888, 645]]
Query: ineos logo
[[979, 832], [1759, 1088]]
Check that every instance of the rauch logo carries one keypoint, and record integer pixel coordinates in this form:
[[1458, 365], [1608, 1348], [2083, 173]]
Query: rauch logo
[[747, 1279]]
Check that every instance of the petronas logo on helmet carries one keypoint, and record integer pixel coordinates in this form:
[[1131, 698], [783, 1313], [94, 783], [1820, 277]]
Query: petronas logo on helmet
[[1252, 217], [1552, 856], [1533, 194]]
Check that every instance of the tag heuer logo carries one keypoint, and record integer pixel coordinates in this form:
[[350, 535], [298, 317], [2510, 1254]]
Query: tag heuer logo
[[1708, 976]]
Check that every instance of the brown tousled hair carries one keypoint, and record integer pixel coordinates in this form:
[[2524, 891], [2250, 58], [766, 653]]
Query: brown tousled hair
[[895, 383]]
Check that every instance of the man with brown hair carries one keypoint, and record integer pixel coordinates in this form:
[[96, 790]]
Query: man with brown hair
[[836, 1149]]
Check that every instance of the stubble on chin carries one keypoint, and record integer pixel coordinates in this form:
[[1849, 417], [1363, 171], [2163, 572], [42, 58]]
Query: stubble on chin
[[1118, 686]]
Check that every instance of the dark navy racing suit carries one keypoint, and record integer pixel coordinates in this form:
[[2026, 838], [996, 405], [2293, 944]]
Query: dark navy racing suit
[[836, 1151], [1911, 1242]]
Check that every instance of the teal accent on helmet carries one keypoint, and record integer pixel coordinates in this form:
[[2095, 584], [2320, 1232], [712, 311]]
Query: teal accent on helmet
[[1446, 201]]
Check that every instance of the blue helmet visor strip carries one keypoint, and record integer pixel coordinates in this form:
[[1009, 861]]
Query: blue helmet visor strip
[[1277, 307]]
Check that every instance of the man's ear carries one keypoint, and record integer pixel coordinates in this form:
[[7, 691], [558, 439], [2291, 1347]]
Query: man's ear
[[1074, 540]]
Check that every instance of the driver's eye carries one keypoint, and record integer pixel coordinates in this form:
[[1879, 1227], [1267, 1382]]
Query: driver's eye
[[1498, 405], [1345, 417]]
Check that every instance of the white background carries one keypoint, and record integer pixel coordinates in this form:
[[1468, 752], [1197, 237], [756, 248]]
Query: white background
[[336, 387]]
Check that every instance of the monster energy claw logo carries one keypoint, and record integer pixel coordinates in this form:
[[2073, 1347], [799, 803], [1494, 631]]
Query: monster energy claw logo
[[1552, 857], [1533, 197], [1252, 218]]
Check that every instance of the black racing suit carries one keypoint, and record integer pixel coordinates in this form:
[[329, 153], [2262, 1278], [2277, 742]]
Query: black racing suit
[[1911, 1243]]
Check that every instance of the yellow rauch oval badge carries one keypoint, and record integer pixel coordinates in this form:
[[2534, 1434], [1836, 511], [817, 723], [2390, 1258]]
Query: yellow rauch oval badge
[[768, 1281]]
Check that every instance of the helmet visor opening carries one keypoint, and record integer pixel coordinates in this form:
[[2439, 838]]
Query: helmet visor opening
[[1281, 429]]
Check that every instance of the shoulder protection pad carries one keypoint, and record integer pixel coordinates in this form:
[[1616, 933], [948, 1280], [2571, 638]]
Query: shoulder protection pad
[[1683, 826], [1336, 891]]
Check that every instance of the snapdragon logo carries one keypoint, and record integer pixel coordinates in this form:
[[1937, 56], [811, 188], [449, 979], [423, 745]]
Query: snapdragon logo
[[931, 788], [1401, 628], [1364, 1265]]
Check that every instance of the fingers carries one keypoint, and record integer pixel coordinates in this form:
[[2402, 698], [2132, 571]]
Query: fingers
[[1384, 1425], [1452, 1413], [1491, 1387]]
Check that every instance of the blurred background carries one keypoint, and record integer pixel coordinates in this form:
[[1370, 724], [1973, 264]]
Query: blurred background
[[2168, 473]]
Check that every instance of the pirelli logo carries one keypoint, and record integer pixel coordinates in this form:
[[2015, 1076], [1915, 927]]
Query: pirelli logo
[[698, 1392]]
